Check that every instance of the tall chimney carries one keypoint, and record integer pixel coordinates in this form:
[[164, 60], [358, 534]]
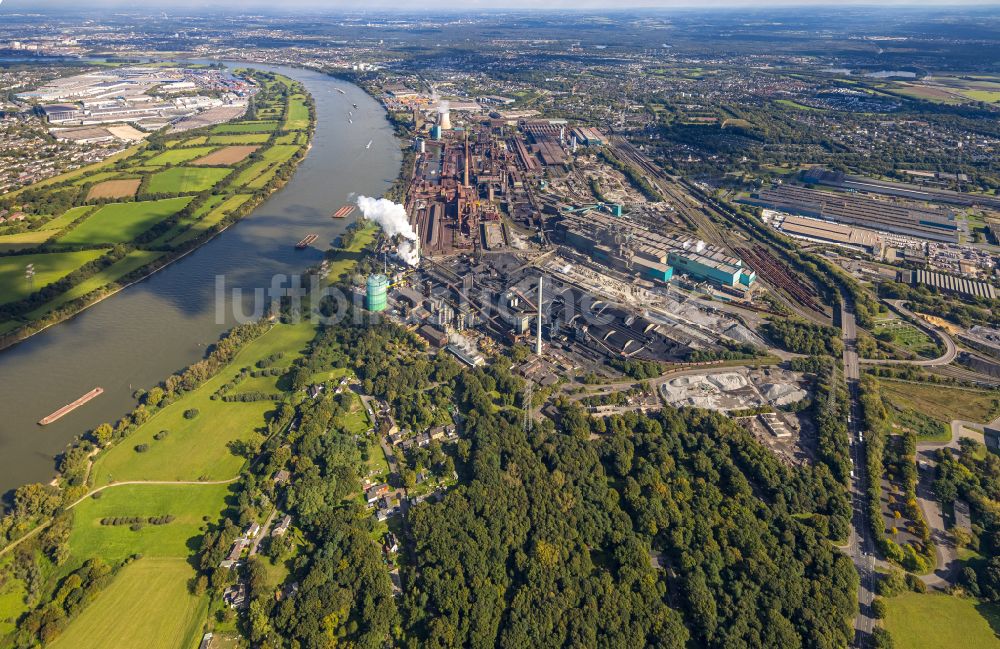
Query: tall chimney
[[538, 343], [466, 158]]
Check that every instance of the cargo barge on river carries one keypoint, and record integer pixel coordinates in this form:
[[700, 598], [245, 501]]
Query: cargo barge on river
[[68, 408]]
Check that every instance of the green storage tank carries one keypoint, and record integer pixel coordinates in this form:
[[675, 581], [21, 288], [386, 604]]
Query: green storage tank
[[377, 295]]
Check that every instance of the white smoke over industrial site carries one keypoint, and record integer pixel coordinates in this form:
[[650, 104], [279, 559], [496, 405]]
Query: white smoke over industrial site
[[391, 217]]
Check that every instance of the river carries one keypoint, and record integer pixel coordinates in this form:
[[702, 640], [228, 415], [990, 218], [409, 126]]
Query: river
[[139, 336]]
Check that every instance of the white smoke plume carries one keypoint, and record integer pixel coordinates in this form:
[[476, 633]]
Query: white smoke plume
[[391, 217]]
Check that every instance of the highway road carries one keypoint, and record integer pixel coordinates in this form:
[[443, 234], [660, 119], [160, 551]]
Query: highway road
[[860, 546]]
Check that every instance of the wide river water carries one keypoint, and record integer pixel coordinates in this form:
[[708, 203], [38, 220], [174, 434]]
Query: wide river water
[[139, 336]]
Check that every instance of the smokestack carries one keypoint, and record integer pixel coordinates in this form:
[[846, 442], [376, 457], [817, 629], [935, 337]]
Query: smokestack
[[538, 343], [466, 158]]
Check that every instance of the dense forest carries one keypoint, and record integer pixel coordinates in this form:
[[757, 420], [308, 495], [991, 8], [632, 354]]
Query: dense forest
[[628, 531]]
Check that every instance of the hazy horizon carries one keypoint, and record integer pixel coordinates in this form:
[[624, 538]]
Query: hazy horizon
[[477, 5]]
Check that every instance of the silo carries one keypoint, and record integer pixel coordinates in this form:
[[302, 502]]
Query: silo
[[378, 289]]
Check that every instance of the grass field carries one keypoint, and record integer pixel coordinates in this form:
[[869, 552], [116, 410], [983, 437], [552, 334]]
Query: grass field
[[229, 155], [121, 222], [68, 217], [23, 240], [908, 337], [298, 114], [196, 448], [788, 103], [114, 189], [942, 622], [250, 138], [49, 267], [211, 219], [941, 402], [195, 141], [11, 604], [186, 222], [147, 605], [97, 177], [183, 180], [115, 543], [133, 260], [179, 156], [257, 174], [245, 127]]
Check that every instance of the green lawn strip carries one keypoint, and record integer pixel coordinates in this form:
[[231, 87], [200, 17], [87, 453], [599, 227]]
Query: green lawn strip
[[179, 156], [183, 180], [132, 261], [245, 127], [120, 222], [67, 217], [196, 448], [251, 173], [931, 621], [147, 605], [250, 138], [211, 219], [49, 267], [187, 503], [270, 160], [298, 114], [24, 240], [96, 178], [942, 402]]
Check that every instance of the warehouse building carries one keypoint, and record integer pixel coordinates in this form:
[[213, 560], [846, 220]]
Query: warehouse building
[[835, 233], [948, 283], [859, 209]]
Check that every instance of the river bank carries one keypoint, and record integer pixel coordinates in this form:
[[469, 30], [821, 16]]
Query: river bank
[[165, 321]]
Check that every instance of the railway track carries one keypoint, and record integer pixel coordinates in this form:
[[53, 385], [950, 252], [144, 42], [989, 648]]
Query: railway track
[[780, 275]]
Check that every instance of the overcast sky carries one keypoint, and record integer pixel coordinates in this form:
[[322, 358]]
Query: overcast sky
[[457, 5]]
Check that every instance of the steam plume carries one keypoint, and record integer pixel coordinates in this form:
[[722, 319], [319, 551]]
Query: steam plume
[[391, 217]]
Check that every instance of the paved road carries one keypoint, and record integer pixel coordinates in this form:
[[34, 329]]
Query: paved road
[[860, 546], [951, 349]]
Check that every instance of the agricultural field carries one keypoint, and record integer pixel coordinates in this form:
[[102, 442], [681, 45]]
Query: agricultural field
[[132, 261], [185, 180], [23, 240], [179, 156], [114, 189], [67, 217], [298, 114], [250, 138], [926, 621], [49, 267], [146, 605], [245, 127], [229, 155], [120, 222], [211, 219]]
